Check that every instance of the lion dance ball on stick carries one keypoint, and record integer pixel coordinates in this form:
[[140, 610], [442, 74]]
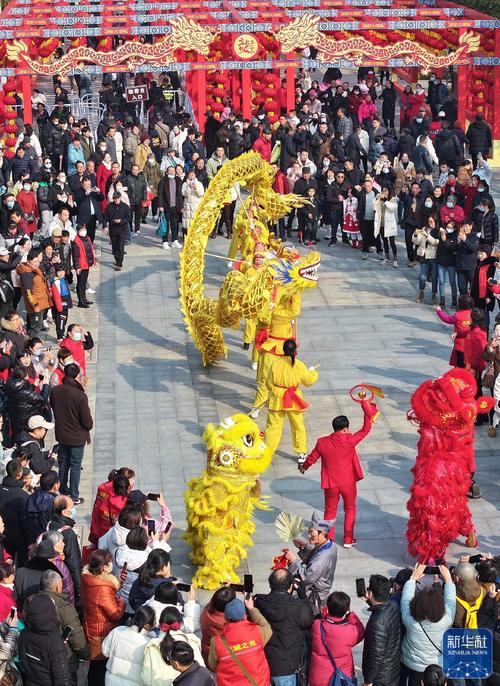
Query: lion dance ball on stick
[[220, 502], [445, 410]]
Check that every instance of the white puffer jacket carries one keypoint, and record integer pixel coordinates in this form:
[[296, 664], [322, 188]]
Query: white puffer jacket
[[134, 559], [192, 192], [124, 646], [190, 614], [113, 539], [155, 670]]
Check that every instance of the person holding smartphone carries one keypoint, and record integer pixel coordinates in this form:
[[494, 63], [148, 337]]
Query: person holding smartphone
[[160, 526]]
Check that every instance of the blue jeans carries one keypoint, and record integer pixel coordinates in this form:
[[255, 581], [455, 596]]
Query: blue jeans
[[425, 267], [452, 278], [288, 680], [70, 462]]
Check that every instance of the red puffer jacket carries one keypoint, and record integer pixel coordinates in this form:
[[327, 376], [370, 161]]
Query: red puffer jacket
[[107, 507]]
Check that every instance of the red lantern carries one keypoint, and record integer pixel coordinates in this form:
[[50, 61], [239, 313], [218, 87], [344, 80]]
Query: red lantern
[[10, 141], [11, 128]]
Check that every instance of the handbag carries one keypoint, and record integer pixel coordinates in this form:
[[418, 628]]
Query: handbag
[[162, 229], [276, 152], [236, 659], [488, 380], [338, 678]]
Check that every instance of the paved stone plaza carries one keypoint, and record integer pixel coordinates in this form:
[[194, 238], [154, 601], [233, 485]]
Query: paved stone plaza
[[153, 397]]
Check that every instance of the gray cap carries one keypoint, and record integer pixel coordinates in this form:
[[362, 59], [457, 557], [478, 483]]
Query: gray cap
[[320, 524]]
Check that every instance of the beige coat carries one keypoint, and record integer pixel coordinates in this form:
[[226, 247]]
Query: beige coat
[[426, 244]]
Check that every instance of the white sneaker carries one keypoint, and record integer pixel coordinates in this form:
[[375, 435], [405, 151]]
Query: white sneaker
[[90, 290], [395, 264], [165, 246], [49, 316], [176, 244], [386, 261], [364, 255], [254, 366], [138, 232], [254, 413], [46, 325]]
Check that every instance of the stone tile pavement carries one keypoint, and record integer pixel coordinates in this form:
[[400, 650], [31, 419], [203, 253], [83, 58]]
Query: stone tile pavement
[[153, 398]]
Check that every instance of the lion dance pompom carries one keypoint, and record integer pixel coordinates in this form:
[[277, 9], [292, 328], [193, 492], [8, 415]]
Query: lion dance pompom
[[220, 502], [446, 411]]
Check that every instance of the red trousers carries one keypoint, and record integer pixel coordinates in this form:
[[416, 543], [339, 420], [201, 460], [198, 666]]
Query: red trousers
[[348, 493]]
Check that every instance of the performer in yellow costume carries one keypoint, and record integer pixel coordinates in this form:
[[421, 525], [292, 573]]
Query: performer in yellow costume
[[274, 327], [251, 323], [287, 373]]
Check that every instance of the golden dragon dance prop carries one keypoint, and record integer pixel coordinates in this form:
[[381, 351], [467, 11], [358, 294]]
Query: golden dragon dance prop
[[186, 33], [303, 32], [238, 297], [220, 502]]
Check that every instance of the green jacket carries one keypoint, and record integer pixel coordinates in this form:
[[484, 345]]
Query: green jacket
[[76, 644], [153, 175]]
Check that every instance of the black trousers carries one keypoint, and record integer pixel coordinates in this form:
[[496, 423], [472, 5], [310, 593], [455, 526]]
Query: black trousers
[[81, 285], [410, 248], [367, 230], [91, 226], [118, 245], [173, 217], [60, 319], [136, 212]]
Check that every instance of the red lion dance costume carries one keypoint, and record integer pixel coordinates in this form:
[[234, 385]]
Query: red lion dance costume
[[445, 410]]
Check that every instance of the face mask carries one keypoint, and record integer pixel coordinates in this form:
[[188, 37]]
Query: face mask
[[261, 116], [171, 176], [482, 209], [326, 163], [450, 230], [102, 148], [38, 353], [428, 203], [432, 78], [77, 336], [344, 94], [27, 186], [10, 204], [151, 160], [62, 179], [68, 360], [419, 120], [480, 190], [385, 171], [47, 165], [82, 233], [64, 197], [72, 514], [450, 205]]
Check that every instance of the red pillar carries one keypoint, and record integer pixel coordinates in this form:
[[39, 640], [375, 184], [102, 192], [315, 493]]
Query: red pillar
[[246, 94], [290, 85], [26, 93], [235, 89], [201, 87], [496, 104], [462, 89]]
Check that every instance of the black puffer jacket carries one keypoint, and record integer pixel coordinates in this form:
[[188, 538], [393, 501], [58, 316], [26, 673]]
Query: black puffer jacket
[[40, 462], [12, 503], [27, 579], [382, 646], [23, 402], [290, 618], [42, 653], [489, 228], [479, 135]]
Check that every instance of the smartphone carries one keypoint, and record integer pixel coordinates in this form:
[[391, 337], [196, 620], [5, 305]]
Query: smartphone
[[248, 585], [183, 587], [124, 567], [167, 528], [431, 570], [151, 527], [474, 559], [360, 588], [153, 496], [67, 631], [13, 611]]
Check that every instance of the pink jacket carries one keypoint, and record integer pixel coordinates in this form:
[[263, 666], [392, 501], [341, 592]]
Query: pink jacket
[[367, 110], [341, 637]]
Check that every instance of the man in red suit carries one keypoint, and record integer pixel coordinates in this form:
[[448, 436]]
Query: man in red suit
[[340, 468]]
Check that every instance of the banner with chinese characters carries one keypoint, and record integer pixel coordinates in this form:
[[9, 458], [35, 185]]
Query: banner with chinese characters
[[467, 653]]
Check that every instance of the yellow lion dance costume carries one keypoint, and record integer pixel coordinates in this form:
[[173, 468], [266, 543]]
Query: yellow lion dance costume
[[221, 501]]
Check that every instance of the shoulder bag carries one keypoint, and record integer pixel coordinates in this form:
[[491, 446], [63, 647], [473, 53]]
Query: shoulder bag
[[236, 659], [338, 678], [430, 639]]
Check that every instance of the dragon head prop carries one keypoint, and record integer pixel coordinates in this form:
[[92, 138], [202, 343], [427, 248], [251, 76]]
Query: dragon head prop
[[449, 402], [236, 447], [295, 275]]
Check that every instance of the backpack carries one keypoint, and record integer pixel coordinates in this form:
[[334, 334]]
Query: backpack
[[471, 610]]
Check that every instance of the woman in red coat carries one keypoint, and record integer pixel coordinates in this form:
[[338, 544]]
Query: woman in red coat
[[335, 635], [110, 500], [416, 99], [103, 174], [212, 620], [27, 201]]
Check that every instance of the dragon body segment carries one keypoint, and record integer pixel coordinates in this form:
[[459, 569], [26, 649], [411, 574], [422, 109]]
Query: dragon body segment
[[239, 295]]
